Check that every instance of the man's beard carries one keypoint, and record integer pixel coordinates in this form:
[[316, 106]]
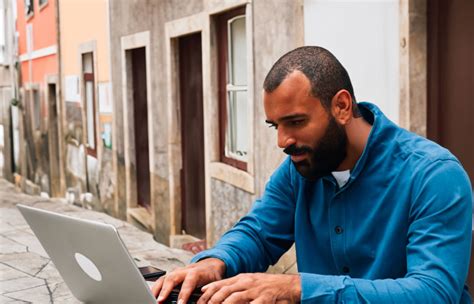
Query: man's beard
[[328, 154]]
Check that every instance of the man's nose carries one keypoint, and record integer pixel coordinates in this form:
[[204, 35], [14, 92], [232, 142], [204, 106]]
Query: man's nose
[[284, 139]]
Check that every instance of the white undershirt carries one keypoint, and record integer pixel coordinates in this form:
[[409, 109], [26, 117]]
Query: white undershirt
[[341, 177]]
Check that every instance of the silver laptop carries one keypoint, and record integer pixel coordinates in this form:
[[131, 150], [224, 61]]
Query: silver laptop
[[90, 256]]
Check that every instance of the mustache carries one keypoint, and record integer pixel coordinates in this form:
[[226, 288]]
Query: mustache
[[294, 150]]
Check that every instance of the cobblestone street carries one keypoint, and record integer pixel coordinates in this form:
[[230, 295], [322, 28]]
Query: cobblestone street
[[27, 275]]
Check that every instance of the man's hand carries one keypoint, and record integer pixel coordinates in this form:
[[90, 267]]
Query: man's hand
[[254, 288], [198, 274]]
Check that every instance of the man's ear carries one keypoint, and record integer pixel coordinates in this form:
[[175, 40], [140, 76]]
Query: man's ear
[[341, 107]]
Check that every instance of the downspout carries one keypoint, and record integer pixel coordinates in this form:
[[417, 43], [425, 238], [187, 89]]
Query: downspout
[[60, 107]]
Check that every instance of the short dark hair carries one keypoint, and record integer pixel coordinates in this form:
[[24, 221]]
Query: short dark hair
[[325, 73]]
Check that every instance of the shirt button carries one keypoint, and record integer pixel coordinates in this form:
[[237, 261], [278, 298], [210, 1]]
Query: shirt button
[[338, 229], [345, 269]]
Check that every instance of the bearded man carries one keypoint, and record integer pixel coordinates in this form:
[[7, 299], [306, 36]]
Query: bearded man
[[377, 214]]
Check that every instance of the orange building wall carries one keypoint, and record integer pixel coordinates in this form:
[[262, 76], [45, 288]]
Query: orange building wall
[[74, 32], [43, 21], [40, 68]]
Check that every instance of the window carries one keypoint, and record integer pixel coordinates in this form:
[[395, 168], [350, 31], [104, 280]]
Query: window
[[89, 95], [234, 129], [29, 7], [41, 3]]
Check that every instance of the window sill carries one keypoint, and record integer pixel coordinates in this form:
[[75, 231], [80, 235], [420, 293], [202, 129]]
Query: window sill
[[141, 216], [42, 6], [233, 176]]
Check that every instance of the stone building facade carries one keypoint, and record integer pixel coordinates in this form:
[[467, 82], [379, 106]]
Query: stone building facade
[[226, 191]]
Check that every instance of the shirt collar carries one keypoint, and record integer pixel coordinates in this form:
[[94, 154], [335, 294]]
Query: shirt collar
[[372, 114]]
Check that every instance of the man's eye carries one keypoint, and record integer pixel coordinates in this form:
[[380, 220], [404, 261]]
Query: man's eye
[[296, 122], [272, 125]]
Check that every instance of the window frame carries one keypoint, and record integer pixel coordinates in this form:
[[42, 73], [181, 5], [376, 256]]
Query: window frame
[[89, 77], [223, 44], [42, 5]]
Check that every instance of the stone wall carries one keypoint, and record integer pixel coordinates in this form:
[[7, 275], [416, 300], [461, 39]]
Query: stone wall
[[277, 28], [229, 205], [128, 18]]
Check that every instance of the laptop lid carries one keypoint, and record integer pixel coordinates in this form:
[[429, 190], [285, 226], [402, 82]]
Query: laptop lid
[[90, 256]]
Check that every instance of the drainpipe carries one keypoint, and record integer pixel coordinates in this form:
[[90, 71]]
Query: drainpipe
[[60, 107]]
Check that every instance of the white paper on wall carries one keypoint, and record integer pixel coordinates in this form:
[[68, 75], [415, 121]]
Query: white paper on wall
[[105, 100], [72, 88]]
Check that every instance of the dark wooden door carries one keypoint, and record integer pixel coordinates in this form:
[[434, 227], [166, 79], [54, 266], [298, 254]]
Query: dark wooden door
[[451, 77], [192, 136], [140, 117], [53, 141]]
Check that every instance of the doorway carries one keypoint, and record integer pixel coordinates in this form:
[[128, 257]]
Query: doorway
[[53, 142], [193, 210], [140, 125]]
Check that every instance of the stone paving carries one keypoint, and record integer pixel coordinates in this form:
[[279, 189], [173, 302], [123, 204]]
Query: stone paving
[[27, 275]]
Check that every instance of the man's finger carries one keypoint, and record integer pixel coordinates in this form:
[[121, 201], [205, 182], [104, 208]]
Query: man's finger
[[189, 284], [239, 297], [208, 292], [169, 283], [217, 292], [157, 286], [225, 291]]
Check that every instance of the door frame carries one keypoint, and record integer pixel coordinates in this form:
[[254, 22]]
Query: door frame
[[57, 183], [91, 160], [173, 30], [127, 43], [413, 67]]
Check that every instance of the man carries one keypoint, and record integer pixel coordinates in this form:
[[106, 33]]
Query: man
[[377, 214]]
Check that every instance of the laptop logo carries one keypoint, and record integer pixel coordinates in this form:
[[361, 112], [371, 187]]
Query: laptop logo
[[88, 267]]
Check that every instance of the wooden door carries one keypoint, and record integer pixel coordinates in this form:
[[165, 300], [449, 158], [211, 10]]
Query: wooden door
[[53, 137], [451, 77], [140, 117], [192, 136]]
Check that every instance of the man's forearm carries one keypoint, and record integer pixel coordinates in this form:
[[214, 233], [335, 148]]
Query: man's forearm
[[342, 289]]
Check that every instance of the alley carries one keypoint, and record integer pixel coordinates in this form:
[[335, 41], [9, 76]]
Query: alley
[[26, 273]]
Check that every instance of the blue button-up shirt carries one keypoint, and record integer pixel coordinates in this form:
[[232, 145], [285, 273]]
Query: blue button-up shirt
[[399, 231]]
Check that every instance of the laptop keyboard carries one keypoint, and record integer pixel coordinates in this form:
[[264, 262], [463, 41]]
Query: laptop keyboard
[[173, 297]]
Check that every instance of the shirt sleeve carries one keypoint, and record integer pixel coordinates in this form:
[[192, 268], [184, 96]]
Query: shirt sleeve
[[438, 248], [262, 236]]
